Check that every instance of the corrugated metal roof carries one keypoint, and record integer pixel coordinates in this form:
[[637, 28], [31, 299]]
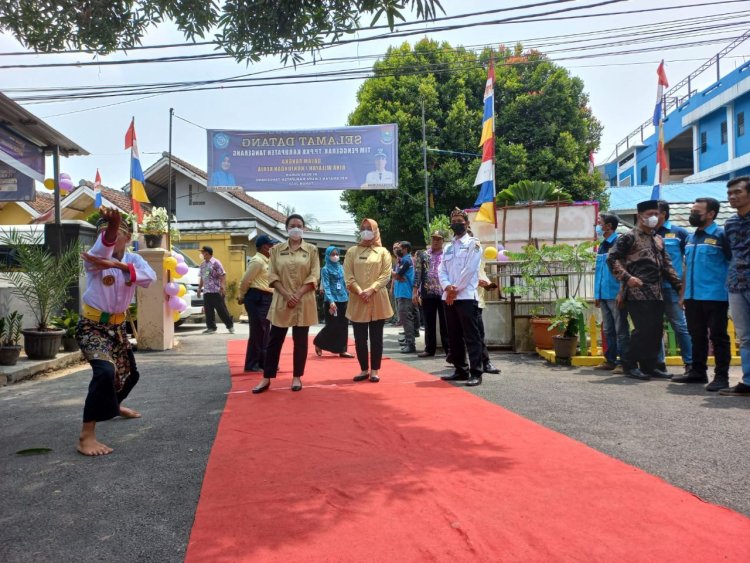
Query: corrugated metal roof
[[30, 127]]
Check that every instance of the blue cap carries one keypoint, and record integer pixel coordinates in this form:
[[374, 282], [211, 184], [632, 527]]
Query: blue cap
[[264, 239]]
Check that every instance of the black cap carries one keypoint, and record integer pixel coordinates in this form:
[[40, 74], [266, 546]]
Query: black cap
[[264, 239], [208, 249], [648, 205]]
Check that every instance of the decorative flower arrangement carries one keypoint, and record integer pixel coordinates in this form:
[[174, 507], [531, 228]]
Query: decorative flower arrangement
[[155, 223]]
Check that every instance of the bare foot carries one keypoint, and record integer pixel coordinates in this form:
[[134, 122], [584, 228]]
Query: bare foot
[[89, 445], [125, 412]]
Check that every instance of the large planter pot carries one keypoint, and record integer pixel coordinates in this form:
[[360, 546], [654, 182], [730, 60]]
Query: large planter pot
[[69, 344], [153, 241], [9, 355], [42, 344], [565, 346], [542, 336]]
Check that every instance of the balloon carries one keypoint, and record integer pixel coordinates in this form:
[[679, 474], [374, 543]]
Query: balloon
[[176, 275], [175, 316], [500, 248], [490, 253], [49, 183], [182, 269], [179, 257], [181, 291], [66, 184], [64, 175], [502, 257], [170, 263], [177, 304], [172, 288]]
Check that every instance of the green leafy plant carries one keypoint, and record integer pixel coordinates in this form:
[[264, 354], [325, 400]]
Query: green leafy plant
[[67, 321], [440, 223], [531, 191], [10, 329], [568, 311], [155, 222], [42, 279]]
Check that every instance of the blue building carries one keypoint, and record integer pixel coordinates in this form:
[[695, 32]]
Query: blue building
[[705, 134]]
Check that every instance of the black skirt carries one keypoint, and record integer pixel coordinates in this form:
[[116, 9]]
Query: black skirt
[[335, 335]]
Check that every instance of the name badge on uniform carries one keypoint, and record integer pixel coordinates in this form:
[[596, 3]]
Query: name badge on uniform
[[670, 235], [284, 253], [711, 241], [108, 280], [338, 285]]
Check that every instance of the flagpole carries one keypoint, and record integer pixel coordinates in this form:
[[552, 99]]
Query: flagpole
[[494, 163], [169, 185], [130, 174]]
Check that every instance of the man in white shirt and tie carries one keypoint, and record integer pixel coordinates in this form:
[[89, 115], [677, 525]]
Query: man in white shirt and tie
[[380, 176], [459, 278]]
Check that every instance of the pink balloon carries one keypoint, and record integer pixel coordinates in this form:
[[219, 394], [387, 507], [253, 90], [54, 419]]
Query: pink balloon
[[66, 184], [500, 248], [64, 175], [172, 288], [502, 257], [177, 256], [177, 304], [182, 268]]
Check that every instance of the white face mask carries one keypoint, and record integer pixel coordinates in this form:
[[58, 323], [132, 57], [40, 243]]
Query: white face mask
[[295, 233], [334, 258], [367, 235], [651, 222]]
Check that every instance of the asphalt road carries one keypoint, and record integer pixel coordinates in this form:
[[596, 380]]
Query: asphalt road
[[138, 503]]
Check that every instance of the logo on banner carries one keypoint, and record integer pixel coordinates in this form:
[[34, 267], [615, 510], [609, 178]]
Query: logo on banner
[[386, 136], [221, 140]]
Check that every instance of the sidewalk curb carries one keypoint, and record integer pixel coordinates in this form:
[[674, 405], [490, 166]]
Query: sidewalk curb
[[26, 369]]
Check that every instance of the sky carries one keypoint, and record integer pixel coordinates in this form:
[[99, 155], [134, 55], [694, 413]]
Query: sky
[[621, 88]]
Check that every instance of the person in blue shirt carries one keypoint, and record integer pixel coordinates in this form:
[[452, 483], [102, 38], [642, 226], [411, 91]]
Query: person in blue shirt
[[606, 288], [222, 176], [675, 240], [705, 298], [334, 337], [737, 229], [402, 291]]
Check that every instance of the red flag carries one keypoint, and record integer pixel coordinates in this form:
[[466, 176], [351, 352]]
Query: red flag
[[97, 179], [137, 210], [130, 135], [662, 74]]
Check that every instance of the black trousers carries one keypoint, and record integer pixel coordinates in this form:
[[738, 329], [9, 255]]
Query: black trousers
[[214, 303], [463, 332], [334, 337], [708, 319], [646, 338], [103, 401], [374, 357], [433, 309], [257, 303], [276, 342]]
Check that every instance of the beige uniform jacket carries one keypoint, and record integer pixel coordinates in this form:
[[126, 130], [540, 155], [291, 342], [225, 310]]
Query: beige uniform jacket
[[294, 269], [256, 276], [368, 267]]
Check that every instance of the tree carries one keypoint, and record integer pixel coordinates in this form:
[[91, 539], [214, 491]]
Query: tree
[[245, 29], [544, 130]]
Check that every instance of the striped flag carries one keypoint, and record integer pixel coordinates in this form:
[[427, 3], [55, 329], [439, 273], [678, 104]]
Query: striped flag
[[486, 173], [97, 190], [661, 154], [137, 190], [592, 165]]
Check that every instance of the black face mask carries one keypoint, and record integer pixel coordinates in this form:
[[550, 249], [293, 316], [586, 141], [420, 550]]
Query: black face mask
[[696, 220], [399, 253], [458, 228]]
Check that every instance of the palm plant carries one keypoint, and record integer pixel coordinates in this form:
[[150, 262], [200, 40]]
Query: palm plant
[[528, 191], [42, 279], [10, 329]]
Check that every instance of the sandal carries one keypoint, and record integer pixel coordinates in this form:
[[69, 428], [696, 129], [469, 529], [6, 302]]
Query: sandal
[[318, 351], [361, 376]]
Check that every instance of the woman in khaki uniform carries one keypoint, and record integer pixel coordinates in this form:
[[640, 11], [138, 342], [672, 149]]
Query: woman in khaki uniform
[[293, 273], [367, 270]]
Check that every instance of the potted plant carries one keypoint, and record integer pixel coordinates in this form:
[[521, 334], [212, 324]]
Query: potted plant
[[154, 227], [67, 321], [568, 318], [41, 280], [10, 334], [549, 273]]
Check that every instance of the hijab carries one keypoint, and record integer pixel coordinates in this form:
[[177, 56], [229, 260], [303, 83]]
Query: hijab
[[333, 268], [374, 226]]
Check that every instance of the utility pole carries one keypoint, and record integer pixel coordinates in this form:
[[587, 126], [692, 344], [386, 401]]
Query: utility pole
[[170, 209], [424, 161]]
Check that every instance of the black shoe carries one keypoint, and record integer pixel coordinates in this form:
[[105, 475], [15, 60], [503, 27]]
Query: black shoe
[[489, 368], [425, 355], [455, 376], [660, 374], [474, 380], [718, 384], [361, 377], [739, 390], [688, 368], [261, 388], [661, 367], [409, 350], [635, 373], [297, 387], [691, 377], [374, 378]]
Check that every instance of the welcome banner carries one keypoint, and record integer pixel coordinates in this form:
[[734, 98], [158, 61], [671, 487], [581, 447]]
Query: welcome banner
[[346, 158]]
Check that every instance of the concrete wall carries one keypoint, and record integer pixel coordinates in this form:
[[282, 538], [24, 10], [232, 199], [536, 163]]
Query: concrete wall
[[14, 214], [716, 152]]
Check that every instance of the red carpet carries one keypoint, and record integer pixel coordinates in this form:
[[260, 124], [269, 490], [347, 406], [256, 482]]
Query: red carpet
[[412, 469]]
